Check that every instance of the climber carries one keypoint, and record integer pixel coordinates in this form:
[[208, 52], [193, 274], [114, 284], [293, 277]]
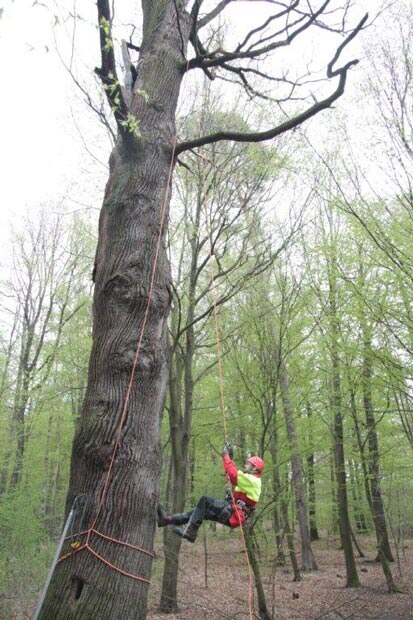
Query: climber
[[233, 511]]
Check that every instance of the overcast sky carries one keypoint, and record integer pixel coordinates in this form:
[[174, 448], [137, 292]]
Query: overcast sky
[[41, 154], [42, 157], [33, 109]]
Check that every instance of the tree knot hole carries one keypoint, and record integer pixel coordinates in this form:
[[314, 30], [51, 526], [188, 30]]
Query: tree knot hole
[[76, 587]]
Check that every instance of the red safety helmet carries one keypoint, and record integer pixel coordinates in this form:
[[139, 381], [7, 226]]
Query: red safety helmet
[[257, 462]]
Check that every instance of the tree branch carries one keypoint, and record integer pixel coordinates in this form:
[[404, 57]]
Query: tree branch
[[297, 120], [267, 23], [217, 58], [210, 16]]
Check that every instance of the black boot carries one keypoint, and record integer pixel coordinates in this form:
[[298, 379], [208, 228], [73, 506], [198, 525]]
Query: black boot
[[163, 519], [189, 532]]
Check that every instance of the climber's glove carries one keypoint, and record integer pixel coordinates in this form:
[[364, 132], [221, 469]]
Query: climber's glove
[[228, 450]]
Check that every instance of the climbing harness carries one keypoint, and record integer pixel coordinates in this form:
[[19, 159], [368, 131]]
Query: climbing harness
[[245, 508]]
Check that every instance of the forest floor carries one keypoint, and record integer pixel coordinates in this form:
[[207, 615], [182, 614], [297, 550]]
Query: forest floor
[[214, 584]]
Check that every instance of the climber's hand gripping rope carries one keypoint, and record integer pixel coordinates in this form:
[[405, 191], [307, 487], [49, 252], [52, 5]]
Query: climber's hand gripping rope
[[228, 449]]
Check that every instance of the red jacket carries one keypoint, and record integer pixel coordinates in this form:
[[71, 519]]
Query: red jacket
[[247, 488]]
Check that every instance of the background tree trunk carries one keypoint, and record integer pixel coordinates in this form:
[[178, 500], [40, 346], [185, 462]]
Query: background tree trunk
[[289, 534], [307, 557], [373, 446], [276, 485], [311, 481], [264, 614], [383, 545], [340, 467], [180, 429]]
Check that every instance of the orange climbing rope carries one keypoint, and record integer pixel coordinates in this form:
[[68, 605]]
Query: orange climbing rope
[[222, 401], [88, 547], [92, 531]]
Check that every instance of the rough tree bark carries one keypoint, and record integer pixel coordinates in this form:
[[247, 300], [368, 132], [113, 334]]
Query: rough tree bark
[[84, 587]]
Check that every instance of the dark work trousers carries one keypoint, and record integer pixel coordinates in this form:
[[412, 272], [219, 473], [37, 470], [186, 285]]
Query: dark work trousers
[[207, 508]]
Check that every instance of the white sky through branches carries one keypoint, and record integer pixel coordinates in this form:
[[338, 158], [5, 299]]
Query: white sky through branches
[[42, 155]]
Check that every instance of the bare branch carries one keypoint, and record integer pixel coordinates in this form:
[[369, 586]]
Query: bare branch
[[267, 23], [99, 111], [217, 58], [214, 13], [297, 120]]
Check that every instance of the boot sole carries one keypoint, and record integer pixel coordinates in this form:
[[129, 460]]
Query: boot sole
[[178, 532], [191, 540]]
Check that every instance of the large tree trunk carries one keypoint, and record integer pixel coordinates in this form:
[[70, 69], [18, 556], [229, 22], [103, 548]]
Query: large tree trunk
[[83, 587]]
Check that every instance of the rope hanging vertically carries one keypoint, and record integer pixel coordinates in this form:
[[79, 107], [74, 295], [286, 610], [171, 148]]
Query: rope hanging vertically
[[221, 386]]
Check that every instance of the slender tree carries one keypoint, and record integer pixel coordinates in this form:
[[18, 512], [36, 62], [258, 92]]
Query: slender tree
[[311, 481], [337, 409], [45, 278], [307, 556]]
